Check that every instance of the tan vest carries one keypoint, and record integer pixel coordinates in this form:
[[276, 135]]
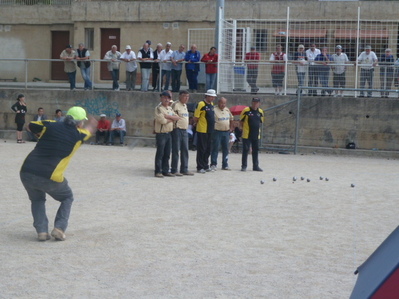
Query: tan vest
[[181, 110], [162, 125], [222, 119]]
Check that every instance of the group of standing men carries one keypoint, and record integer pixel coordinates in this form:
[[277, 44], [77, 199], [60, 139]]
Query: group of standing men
[[213, 127], [164, 63], [319, 62]]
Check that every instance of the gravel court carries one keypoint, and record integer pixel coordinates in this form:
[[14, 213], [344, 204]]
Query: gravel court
[[214, 235]]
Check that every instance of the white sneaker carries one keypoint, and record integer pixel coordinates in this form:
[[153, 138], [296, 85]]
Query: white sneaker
[[335, 95], [213, 168]]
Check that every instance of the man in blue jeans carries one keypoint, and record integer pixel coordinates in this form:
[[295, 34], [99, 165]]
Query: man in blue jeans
[[180, 136], [114, 56], [43, 169], [69, 55], [221, 134], [83, 55], [118, 129]]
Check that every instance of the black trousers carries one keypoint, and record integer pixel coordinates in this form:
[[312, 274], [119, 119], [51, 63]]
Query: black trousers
[[246, 144], [203, 150]]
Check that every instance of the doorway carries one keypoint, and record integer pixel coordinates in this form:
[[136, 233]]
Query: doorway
[[109, 37], [59, 40]]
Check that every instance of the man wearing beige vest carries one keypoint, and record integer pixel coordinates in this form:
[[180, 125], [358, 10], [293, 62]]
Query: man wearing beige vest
[[180, 136], [164, 118], [221, 134]]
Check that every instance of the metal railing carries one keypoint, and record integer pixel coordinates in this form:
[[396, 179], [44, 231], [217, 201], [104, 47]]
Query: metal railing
[[34, 2], [232, 77]]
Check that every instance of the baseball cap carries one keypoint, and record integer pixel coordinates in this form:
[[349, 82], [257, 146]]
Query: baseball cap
[[368, 47], [255, 100], [301, 47], [103, 115], [118, 115], [168, 44], [128, 47], [338, 47], [69, 46], [165, 94], [78, 113], [388, 50]]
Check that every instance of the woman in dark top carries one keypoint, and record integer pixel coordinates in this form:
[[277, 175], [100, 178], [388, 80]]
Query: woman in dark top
[[20, 109]]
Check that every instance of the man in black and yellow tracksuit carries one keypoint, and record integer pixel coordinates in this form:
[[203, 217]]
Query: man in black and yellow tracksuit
[[204, 118], [252, 118], [43, 169]]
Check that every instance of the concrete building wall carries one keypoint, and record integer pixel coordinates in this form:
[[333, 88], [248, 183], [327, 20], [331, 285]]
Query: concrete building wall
[[30, 26], [327, 122]]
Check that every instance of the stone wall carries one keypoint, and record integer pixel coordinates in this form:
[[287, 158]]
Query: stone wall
[[324, 121]]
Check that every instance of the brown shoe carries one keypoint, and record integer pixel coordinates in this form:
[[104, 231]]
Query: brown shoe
[[187, 173], [177, 174], [168, 174], [159, 175], [43, 236], [58, 234]]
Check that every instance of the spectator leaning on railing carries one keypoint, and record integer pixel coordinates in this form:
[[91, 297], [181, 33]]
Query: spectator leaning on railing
[[193, 56], [386, 72], [113, 65], [339, 69], [367, 60], [211, 68], [69, 56]]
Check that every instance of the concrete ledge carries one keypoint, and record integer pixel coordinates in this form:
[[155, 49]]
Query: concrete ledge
[[9, 135]]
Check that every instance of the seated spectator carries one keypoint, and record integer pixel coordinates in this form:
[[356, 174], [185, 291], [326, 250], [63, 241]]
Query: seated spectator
[[58, 116], [118, 129], [38, 117], [103, 127]]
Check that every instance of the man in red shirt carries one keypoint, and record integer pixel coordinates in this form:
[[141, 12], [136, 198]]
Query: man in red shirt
[[211, 68], [103, 127], [252, 68]]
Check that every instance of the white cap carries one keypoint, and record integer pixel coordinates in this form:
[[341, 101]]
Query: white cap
[[128, 47]]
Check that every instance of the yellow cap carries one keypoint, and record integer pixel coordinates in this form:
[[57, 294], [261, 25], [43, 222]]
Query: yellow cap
[[78, 113]]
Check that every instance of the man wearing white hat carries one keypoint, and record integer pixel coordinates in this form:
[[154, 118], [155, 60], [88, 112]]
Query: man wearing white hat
[[103, 127], [204, 120], [131, 67], [43, 169]]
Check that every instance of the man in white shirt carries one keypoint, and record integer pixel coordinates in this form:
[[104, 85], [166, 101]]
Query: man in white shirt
[[313, 76], [367, 60], [131, 67], [118, 129], [339, 69], [113, 65], [165, 64]]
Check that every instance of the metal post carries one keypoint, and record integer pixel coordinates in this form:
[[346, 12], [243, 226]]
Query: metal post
[[92, 74], [26, 73], [219, 17], [219, 42], [297, 120], [357, 48], [286, 50], [159, 75]]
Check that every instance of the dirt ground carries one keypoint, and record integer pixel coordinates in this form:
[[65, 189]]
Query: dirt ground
[[213, 235]]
